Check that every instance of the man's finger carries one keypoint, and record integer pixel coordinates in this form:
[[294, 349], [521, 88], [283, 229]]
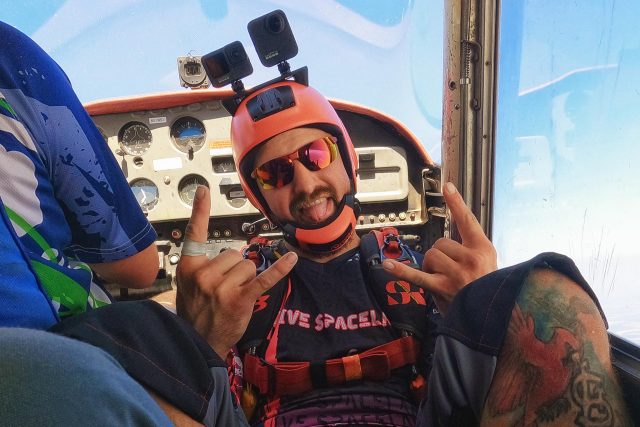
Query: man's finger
[[450, 248], [226, 261], [437, 261], [234, 271], [199, 222], [468, 226], [272, 275], [412, 275]]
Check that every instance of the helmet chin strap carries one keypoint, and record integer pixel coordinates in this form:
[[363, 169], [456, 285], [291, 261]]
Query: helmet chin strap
[[329, 236]]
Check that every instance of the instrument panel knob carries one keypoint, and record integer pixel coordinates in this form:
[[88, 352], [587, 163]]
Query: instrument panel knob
[[176, 234]]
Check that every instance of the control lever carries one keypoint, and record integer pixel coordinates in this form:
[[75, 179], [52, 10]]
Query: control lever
[[250, 227]]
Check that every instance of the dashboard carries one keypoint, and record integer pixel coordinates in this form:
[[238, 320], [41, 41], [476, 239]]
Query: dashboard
[[168, 144]]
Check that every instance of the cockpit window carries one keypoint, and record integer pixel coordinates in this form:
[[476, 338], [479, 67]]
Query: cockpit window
[[386, 55], [567, 144]]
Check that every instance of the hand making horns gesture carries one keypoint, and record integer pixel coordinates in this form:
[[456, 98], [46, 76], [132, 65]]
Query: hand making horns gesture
[[217, 295], [449, 266]]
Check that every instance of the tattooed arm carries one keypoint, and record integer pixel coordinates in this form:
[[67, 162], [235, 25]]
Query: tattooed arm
[[555, 366]]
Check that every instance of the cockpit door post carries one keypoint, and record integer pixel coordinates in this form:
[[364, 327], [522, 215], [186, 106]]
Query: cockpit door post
[[469, 103]]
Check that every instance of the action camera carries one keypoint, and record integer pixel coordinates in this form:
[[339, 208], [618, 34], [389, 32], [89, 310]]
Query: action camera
[[273, 39], [227, 65]]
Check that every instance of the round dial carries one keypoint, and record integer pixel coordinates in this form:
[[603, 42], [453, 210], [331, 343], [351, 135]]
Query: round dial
[[187, 187], [188, 134], [135, 138], [146, 193]]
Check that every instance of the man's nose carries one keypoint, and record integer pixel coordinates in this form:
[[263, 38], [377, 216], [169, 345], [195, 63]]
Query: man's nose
[[304, 180]]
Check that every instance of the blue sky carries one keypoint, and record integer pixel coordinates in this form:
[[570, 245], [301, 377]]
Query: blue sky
[[374, 56], [567, 175]]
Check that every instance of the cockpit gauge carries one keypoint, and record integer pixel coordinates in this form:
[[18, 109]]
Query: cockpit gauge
[[146, 193], [236, 197], [223, 164], [135, 138], [188, 134], [187, 187]]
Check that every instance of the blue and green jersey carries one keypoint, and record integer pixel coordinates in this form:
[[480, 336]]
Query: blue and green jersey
[[65, 196]]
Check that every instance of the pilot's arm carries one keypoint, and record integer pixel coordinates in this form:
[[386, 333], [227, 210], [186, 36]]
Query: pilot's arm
[[109, 231], [137, 271]]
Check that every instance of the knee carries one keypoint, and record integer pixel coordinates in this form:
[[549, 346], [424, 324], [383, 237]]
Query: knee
[[556, 303]]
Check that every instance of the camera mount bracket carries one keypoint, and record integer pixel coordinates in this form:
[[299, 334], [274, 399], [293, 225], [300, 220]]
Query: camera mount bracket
[[301, 75]]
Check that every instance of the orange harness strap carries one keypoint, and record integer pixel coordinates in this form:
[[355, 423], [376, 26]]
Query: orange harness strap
[[290, 378]]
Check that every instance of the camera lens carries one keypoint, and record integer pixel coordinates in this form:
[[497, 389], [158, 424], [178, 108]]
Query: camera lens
[[275, 23], [236, 55]]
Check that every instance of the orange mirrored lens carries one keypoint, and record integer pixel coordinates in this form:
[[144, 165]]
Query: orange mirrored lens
[[316, 155]]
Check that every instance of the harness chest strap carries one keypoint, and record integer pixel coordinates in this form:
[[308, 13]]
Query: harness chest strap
[[289, 378]]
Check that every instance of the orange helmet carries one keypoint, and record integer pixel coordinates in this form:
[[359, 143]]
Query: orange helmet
[[277, 108]]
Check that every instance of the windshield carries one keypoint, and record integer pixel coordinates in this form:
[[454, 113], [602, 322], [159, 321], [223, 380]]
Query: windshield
[[567, 144], [387, 57]]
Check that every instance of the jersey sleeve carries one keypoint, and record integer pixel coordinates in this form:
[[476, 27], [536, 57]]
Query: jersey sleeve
[[105, 222]]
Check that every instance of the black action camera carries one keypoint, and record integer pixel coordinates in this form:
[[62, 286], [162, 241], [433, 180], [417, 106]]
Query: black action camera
[[274, 43], [273, 39], [227, 65]]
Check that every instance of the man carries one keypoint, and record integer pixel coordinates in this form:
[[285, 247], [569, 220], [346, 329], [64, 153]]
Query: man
[[64, 193], [513, 347]]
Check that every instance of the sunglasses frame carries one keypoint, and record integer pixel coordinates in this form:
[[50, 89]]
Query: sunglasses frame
[[331, 143]]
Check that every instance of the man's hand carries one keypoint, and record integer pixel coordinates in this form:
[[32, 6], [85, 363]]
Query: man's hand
[[217, 296], [449, 266]]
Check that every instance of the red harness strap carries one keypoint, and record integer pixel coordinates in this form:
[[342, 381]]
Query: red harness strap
[[290, 378]]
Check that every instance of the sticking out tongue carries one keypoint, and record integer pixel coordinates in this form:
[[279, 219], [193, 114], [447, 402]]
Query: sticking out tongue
[[318, 212]]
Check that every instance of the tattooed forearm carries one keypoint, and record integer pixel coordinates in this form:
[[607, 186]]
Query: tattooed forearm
[[554, 367]]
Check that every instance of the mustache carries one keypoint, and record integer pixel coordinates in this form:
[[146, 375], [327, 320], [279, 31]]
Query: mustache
[[302, 198]]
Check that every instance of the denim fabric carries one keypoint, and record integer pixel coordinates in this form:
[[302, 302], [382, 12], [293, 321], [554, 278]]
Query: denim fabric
[[50, 380]]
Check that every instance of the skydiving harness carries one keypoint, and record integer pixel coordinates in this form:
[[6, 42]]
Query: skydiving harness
[[403, 303]]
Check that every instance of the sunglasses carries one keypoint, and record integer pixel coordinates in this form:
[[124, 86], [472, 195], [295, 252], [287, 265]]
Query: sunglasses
[[316, 155]]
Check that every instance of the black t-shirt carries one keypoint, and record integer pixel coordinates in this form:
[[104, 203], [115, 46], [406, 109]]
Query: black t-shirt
[[328, 312]]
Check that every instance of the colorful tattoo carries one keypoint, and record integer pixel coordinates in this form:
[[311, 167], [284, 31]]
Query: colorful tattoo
[[548, 370]]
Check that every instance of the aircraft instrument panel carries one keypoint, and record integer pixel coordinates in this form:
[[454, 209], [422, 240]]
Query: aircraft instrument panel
[[168, 146]]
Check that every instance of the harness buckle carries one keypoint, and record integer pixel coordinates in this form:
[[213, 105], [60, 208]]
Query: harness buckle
[[352, 368], [394, 248], [254, 253]]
